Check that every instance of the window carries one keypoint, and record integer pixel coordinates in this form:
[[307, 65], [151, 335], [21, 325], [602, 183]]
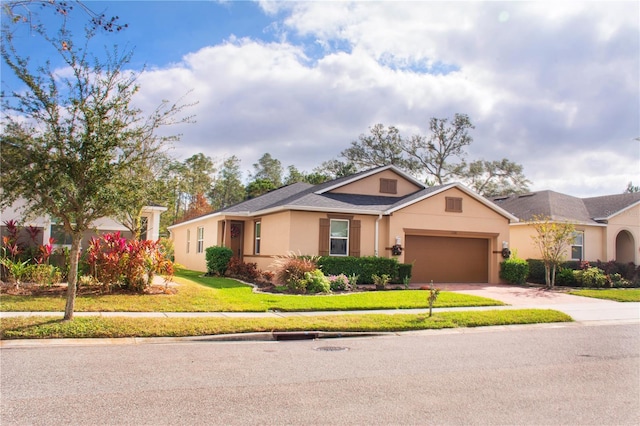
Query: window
[[577, 246], [453, 204], [60, 236], [256, 247], [388, 186], [200, 247], [339, 237], [188, 239]]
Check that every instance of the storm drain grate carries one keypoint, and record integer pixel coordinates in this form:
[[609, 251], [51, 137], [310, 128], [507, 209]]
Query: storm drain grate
[[332, 348]]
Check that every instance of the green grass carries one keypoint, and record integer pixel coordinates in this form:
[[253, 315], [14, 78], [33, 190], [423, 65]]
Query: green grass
[[211, 294], [617, 294], [118, 327]]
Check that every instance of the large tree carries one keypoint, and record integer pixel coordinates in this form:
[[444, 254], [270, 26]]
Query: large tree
[[334, 169], [490, 178], [198, 174], [435, 153], [268, 168], [227, 189], [70, 140], [381, 147]]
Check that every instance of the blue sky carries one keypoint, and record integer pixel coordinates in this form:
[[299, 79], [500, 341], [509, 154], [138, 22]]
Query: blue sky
[[553, 86]]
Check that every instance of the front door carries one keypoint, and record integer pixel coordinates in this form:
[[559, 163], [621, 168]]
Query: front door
[[237, 238]]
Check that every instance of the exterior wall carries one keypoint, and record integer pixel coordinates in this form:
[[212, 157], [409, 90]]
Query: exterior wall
[[371, 185], [299, 232], [190, 258], [628, 220], [429, 217], [593, 244]]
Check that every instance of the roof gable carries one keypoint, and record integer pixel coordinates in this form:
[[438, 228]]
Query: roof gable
[[357, 183]]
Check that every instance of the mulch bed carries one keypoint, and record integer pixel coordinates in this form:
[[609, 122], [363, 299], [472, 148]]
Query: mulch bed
[[60, 290]]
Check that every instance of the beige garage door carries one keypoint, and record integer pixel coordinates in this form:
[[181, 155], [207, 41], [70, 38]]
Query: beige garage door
[[447, 260]]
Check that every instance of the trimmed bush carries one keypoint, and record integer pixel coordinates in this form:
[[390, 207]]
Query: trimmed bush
[[514, 270], [536, 271], [365, 267], [404, 272], [218, 259], [566, 277]]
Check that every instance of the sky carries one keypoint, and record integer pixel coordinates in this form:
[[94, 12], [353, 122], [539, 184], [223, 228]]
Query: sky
[[553, 86]]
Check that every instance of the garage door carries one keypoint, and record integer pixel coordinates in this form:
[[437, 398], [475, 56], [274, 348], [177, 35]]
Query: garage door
[[447, 259]]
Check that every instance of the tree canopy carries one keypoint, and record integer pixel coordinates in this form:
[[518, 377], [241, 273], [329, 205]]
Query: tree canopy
[[73, 146]]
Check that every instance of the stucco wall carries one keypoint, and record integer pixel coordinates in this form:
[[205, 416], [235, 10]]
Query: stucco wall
[[192, 259], [477, 220], [628, 220], [593, 244], [371, 185]]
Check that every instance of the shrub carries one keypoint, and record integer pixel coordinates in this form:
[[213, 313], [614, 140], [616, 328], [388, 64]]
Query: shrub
[[131, 264], [365, 267], [618, 281], [514, 270], [566, 277], [316, 282], [43, 274], [290, 270], [353, 282], [243, 271], [404, 272], [593, 277], [338, 282], [536, 271], [380, 281], [218, 259]]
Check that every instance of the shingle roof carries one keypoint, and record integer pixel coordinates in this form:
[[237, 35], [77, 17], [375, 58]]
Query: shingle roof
[[562, 207], [608, 205], [304, 196]]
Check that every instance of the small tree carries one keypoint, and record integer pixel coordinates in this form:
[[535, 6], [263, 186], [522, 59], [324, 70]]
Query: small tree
[[552, 238], [70, 141]]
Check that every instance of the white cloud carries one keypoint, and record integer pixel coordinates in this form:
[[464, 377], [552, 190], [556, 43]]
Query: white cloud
[[550, 85]]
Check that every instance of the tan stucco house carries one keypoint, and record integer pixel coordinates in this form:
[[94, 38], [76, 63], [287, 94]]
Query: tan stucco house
[[607, 227], [448, 232]]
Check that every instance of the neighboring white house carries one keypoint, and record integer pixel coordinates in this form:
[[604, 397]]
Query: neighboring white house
[[51, 228]]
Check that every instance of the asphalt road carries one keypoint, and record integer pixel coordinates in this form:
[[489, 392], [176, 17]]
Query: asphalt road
[[555, 374]]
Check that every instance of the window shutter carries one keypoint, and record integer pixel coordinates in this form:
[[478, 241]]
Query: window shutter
[[354, 238], [323, 246]]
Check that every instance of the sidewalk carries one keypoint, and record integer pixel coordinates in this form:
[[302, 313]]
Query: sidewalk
[[602, 311], [516, 297]]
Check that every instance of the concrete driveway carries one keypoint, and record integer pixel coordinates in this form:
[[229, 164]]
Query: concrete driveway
[[520, 295], [578, 307]]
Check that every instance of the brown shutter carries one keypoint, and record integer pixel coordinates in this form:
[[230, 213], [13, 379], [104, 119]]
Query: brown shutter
[[323, 246], [354, 238]]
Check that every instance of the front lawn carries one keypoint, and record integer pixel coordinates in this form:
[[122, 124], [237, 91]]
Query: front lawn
[[105, 327], [617, 294], [211, 294]]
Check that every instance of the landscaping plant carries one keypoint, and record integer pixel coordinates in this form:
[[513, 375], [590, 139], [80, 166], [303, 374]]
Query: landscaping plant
[[514, 270], [114, 261], [218, 259]]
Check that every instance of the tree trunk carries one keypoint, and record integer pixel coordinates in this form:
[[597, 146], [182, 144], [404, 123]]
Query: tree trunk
[[547, 275], [74, 255], [553, 275]]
